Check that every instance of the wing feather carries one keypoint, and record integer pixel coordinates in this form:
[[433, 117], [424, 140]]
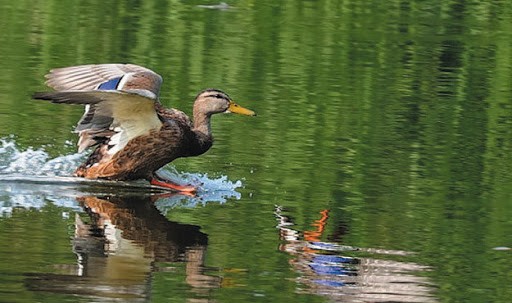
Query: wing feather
[[89, 77], [118, 116], [128, 105]]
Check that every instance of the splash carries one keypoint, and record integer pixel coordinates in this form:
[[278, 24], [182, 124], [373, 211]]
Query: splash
[[35, 162], [17, 165], [209, 189]]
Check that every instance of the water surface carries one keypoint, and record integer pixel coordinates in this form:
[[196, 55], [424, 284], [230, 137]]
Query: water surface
[[378, 168]]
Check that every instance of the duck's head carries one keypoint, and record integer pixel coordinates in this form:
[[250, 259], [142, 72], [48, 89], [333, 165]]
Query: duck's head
[[214, 101]]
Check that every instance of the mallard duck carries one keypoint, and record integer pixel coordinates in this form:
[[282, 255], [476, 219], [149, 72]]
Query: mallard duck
[[133, 134]]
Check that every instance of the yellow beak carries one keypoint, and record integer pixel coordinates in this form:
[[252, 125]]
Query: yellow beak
[[237, 109]]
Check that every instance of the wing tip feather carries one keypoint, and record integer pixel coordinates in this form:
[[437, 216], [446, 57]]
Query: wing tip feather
[[42, 96]]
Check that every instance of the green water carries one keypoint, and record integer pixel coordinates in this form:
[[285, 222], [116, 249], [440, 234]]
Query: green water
[[395, 116]]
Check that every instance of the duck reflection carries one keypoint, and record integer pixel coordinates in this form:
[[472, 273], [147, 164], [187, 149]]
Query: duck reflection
[[326, 272], [121, 243]]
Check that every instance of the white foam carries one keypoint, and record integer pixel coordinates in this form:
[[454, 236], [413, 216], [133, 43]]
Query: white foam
[[35, 161], [209, 189]]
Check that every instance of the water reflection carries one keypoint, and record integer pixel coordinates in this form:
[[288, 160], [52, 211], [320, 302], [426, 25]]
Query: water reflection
[[120, 244], [325, 271]]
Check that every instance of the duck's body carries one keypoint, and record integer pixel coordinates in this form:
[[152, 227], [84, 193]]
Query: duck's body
[[145, 154], [133, 134]]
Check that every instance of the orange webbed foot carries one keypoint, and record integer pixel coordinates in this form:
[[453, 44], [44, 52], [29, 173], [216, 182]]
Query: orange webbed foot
[[185, 189]]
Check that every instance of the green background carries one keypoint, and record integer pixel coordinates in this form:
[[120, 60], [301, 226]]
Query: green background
[[395, 115]]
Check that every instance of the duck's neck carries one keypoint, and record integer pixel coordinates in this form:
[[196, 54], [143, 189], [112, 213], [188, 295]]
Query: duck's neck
[[203, 131], [202, 124]]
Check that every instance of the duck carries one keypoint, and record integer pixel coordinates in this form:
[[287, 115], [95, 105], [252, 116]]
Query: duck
[[131, 134]]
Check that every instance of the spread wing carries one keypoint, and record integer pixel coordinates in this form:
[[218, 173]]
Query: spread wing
[[118, 116], [109, 76], [119, 101]]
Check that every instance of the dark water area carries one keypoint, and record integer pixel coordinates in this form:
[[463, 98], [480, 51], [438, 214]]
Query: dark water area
[[378, 168]]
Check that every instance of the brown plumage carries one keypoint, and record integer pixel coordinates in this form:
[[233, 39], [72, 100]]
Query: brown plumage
[[133, 134]]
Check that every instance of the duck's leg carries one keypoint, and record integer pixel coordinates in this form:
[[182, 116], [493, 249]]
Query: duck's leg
[[158, 181]]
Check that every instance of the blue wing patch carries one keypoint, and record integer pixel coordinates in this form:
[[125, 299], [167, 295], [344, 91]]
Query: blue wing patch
[[110, 84]]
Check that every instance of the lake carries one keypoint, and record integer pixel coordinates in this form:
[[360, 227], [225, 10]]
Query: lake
[[378, 169]]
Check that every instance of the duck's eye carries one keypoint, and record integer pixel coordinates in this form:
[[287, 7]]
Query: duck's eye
[[217, 96]]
